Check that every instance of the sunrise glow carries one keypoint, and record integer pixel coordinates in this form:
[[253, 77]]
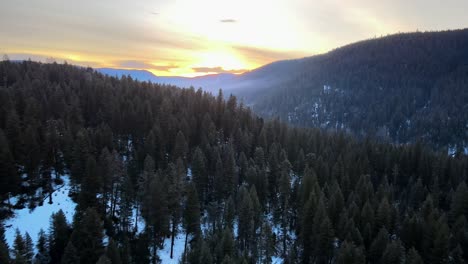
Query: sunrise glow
[[191, 38]]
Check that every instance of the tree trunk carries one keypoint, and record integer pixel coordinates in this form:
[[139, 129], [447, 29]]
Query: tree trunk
[[50, 191], [154, 247], [172, 239], [284, 239], [136, 218], [185, 247]]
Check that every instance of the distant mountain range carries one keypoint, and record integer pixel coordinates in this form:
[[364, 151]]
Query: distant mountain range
[[211, 83], [402, 88]]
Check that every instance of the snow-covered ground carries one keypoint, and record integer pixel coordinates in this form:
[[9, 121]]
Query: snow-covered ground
[[141, 225], [276, 260], [179, 244], [33, 221], [452, 150]]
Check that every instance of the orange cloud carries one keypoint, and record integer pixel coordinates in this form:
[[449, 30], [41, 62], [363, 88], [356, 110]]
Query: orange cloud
[[217, 70]]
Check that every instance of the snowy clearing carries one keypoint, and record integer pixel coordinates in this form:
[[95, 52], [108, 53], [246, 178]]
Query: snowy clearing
[[179, 244], [33, 221]]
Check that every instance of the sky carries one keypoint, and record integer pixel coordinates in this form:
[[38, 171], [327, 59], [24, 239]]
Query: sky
[[191, 38]]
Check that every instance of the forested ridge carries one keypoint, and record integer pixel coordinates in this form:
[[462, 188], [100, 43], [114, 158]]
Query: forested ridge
[[404, 88], [242, 189]]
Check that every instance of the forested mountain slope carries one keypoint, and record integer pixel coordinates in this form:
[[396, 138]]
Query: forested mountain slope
[[404, 87], [238, 188]]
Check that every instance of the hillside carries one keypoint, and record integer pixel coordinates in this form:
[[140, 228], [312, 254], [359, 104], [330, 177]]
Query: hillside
[[159, 174], [403, 88]]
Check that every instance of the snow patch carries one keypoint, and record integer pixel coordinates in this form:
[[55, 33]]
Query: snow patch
[[140, 224], [179, 247], [189, 173], [32, 221], [276, 260]]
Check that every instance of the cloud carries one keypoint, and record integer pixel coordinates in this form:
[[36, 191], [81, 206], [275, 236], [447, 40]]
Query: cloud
[[136, 64], [50, 59], [263, 56], [229, 20], [217, 70], [154, 13]]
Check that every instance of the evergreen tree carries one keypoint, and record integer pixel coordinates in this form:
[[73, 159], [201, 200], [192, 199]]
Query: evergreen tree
[[59, 236], [284, 193], [42, 255], [245, 219], [199, 173], [4, 249], [191, 213], [323, 235], [70, 255], [174, 196], [155, 211], [87, 236], [113, 253], [180, 147], [103, 259], [350, 254], [393, 253], [19, 249], [9, 179], [378, 246], [229, 213], [90, 186], [459, 204], [413, 257]]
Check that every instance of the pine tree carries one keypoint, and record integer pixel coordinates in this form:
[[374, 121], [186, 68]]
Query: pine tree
[[393, 253], [284, 193], [19, 249], [4, 249], [336, 204], [103, 259], [90, 186], [245, 219], [155, 211], [191, 213], [459, 204], [140, 250], [113, 253], [307, 228], [174, 196], [383, 216], [268, 246], [42, 255], [227, 243], [350, 254], [199, 173], [378, 246], [440, 244], [323, 235], [9, 179], [229, 171], [59, 236], [70, 255], [180, 147], [413, 257], [87, 236], [229, 213]]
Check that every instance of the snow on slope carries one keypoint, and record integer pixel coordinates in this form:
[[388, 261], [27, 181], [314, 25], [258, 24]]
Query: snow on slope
[[179, 246], [33, 221]]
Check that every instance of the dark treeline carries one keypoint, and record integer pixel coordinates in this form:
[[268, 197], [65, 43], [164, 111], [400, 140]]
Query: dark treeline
[[242, 189], [403, 87]]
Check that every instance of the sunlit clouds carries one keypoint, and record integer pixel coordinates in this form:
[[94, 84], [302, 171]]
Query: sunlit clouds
[[193, 38]]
